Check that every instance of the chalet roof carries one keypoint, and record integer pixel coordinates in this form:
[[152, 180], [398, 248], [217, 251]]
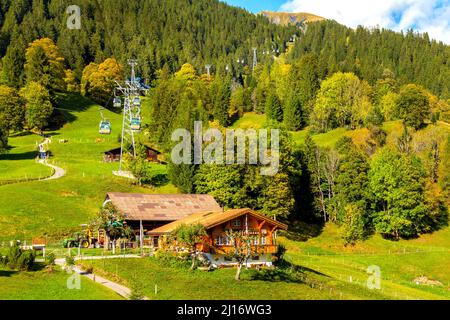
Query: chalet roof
[[210, 219], [161, 207], [117, 150]]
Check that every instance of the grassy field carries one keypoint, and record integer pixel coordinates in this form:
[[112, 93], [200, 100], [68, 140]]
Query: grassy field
[[328, 270], [42, 285], [52, 208], [176, 283], [20, 162]]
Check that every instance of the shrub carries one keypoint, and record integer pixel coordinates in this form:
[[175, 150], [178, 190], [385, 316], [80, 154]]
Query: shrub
[[70, 261], [25, 261], [50, 259], [18, 259]]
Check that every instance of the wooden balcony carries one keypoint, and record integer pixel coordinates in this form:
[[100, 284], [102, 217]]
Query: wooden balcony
[[261, 249]]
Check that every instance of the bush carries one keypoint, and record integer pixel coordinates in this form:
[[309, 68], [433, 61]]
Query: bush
[[173, 259], [70, 261], [26, 260], [279, 255], [18, 259], [50, 259]]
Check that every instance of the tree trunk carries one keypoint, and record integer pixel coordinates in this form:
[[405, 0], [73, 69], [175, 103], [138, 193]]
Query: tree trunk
[[238, 272]]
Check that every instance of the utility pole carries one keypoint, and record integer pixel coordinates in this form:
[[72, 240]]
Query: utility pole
[[255, 61], [208, 70]]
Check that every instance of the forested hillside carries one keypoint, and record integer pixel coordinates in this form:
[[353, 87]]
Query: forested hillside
[[370, 52], [156, 32], [358, 82]]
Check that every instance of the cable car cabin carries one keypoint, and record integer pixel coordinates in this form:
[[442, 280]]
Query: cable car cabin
[[135, 124], [137, 102], [104, 127], [117, 102]]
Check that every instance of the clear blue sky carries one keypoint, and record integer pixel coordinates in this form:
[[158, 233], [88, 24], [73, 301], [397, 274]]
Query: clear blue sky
[[257, 5]]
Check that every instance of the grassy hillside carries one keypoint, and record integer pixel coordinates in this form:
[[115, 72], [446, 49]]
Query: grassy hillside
[[20, 162], [328, 270], [53, 207], [41, 285]]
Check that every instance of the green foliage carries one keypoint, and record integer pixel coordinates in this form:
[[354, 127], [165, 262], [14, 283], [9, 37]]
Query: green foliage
[[388, 105], [98, 80], [351, 179], [189, 235], [304, 83], [223, 182], [50, 258], [18, 259], [398, 184], [156, 33], [38, 107], [44, 64], [70, 261], [12, 73], [273, 108], [413, 106], [112, 221], [354, 223], [221, 94], [12, 111], [342, 101], [374, 53], [293, 118]]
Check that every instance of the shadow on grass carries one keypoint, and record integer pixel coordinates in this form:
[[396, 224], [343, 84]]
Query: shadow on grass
[[21, 134], [301, 231], [7, 273], [19, 156], [284, 272]]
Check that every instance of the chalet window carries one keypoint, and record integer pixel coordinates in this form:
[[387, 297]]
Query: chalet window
[[236, 223], [228, 241], [223, 241], [255, 241], [263, 240]]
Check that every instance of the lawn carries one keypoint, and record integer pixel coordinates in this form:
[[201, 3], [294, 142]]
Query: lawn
[[330, 270], [20, 161], [53, 208], [400, 262], [177, 283], [42, 285]]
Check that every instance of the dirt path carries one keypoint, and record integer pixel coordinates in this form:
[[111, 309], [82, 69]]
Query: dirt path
[[59, 172]]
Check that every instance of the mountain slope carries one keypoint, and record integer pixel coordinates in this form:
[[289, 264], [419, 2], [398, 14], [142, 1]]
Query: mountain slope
[[289, 18], [155, 32]]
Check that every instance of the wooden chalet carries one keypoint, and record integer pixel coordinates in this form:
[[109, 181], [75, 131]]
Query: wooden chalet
[[216, 245], [145, 212], [113, 155]]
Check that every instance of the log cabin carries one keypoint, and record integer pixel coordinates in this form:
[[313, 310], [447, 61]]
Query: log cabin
[[113, 155], [144, 212], [216, 245]]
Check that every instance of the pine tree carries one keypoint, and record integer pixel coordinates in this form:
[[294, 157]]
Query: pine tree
[[274, 110], [292, 115]]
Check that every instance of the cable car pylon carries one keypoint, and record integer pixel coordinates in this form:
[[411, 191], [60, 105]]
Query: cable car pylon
[[131, 120]]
